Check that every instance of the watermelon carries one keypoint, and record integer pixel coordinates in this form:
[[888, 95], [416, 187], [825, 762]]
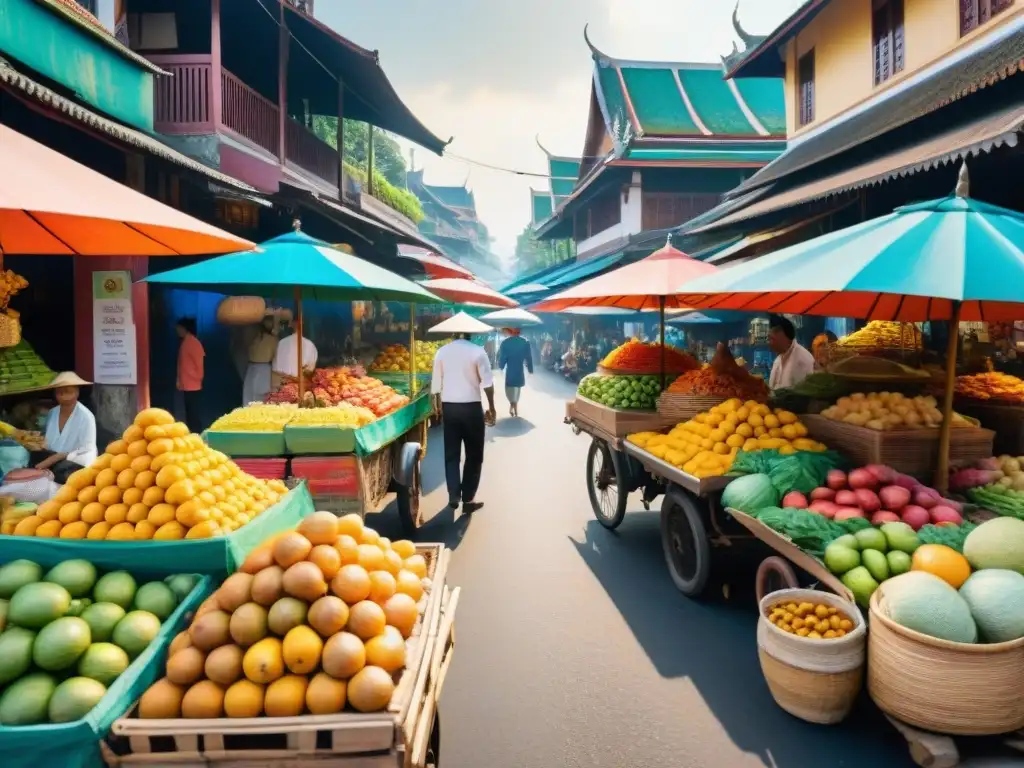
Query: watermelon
[[925, 603], [750, 494], [996, 600]]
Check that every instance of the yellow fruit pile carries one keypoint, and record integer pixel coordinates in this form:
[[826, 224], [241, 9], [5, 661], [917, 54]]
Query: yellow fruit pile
[[256, 418], [991, 386], [706, 445], [316, 620], [883, 334], [890, 410], [395, 358], [341, 415], [815, 621], [156, 482]]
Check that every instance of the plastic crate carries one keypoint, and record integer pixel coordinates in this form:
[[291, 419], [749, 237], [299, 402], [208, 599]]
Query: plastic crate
[[326, 439], [264, 469], [348, 488], [246, 443], [325, 467]]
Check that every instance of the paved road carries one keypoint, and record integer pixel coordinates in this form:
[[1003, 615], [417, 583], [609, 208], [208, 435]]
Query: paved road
[[575, 649]]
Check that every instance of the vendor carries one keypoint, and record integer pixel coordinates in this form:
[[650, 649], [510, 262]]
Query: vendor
[[285, 362], [70, 431], [256, 385], [821, 349], [793, 363]]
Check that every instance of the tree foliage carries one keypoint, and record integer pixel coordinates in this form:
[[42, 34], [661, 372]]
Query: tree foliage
[[533, 254]]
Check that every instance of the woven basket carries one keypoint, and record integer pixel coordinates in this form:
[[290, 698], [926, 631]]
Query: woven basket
[[241, 310], [685, 407], [815, 680], [959, 689], [10, 331]]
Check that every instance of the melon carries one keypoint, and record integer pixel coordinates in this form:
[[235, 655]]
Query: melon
[[103, 662], [102, 618], [60, 643], [15, 653], [74, 699], [26, 702], [36, 605], [925, 603], [156, 598], [996, 543], [78, 577], [136, 631], [996, 599], [17, 574], [116, 587]]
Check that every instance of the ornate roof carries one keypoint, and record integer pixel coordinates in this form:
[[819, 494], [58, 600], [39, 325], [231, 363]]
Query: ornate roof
[[541, 206], [563, 172]]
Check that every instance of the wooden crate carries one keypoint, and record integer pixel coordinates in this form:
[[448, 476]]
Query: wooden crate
[[911, 451], [679, 408], [1007, 421], [395, 738], [619, 423]]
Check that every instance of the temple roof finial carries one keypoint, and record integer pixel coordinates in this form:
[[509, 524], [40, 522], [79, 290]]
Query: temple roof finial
[[749, 40]]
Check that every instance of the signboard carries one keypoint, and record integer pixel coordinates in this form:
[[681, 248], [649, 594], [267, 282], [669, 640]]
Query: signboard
[[114, 350]]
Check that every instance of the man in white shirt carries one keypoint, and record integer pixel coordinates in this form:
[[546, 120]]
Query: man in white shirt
[[286, 357], [461, 369], [793, 363]]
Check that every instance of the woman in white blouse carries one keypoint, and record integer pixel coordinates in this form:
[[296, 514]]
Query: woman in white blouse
[[70, 431]]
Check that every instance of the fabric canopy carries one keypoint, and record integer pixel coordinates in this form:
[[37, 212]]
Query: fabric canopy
[[511, 318], [51, 205], [433, 264], [458, 290]]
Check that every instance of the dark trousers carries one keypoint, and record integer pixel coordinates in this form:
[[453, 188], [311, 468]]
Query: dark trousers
[[62, 470], [193, 410], [463, 425]]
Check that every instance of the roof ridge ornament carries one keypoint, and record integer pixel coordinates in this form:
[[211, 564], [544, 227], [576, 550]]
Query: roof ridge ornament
[[597, 54], [963, 182], [749, 40], [542, 147]]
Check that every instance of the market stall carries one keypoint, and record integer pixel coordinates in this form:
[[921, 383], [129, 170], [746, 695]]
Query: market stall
[[354, 439]]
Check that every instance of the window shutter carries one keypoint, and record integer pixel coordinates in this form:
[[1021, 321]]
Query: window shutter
[[898, 46], [968, 15]]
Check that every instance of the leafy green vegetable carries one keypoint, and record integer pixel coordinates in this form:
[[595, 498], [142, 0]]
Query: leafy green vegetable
[[809, 531], [750, 493], [801, 471], [998, 499], [949, 535], [854, 524]]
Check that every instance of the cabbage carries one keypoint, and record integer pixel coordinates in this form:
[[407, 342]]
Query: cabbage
[[750, 493]]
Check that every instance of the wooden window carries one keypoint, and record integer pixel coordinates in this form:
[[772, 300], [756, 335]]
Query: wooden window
[[805, 88], [662, 210], [887, 34], [605, 212], [974, 13]]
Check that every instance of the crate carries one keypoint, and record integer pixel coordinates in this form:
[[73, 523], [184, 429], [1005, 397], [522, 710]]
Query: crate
[[394, 738], [325, 468], [246, 443], [910, 451], [319, 439], [264, 469], [347, 487], [616, 422]]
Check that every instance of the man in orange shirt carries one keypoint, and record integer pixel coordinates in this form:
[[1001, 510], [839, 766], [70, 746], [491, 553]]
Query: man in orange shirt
[[190, 372]]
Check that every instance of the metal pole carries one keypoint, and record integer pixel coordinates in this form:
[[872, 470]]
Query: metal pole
[[298, 345], [942, 473], [661, 320], [412, 350]]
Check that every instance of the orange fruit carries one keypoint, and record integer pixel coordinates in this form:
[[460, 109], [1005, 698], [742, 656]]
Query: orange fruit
[[942, 561]]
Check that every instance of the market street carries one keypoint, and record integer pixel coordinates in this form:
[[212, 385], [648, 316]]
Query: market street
[[575, 649]]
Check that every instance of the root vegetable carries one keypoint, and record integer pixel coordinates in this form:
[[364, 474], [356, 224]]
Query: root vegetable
[[836, 479], [822, 494], [915, 516], [861, 478], [794, 499], [894, 497]]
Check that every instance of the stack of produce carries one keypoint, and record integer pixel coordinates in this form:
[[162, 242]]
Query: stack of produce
[[992, 386], [889, 410], [637, 357], [316, 620], [882, 334], [21, 369], [707, 444], [622, 392], [66, 636], [333, 386], [13, 514], [943, 598], [343, 415], [721, 378], [255, 417], [815, 621], [156, 482], [395, 358], [996, 484]]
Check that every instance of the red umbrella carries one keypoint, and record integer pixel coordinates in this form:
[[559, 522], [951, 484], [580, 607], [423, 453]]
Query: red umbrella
[[458, 290], [646, 284], [434, 264]]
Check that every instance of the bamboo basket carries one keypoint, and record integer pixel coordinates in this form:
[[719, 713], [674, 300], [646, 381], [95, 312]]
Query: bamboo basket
[[684, 407], [10, 330], [959, 689], [814, 680]]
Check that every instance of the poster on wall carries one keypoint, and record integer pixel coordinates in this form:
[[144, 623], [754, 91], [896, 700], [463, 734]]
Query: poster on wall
[[114, 351]]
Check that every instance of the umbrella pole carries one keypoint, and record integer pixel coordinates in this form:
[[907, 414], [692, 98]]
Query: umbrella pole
[[945, 431], [412, 350], [661, 320], [298, 345]]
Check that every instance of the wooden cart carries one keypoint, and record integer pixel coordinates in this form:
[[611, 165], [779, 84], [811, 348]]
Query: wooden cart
[[406, 735]]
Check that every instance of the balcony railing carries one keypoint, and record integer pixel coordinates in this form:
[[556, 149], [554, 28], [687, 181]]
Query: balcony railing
[[188, 104]]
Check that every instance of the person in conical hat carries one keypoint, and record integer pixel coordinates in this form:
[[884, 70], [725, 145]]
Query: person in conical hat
[[70, 431]]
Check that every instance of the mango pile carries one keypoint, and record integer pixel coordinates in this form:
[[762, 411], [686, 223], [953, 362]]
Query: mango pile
[[315, 621], [157, 482], [815, 621]]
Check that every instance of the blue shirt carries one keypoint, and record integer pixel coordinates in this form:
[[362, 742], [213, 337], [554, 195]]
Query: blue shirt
[[514, 354]]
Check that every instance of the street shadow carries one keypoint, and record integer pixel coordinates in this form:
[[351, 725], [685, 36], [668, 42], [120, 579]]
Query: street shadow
[[712, 642], [432, 466], [445, 527], [549, 383], [511, 427]]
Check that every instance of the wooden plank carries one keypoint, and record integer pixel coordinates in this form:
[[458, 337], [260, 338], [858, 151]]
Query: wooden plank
[[928, 750]]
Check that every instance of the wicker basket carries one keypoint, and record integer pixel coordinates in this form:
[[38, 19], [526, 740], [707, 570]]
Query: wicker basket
[[241, 310], [684, 407], [815, 680], [942, 686], [10, 330]]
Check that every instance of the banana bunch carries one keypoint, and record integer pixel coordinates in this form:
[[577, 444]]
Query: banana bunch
[[257, 417], [6, 430], [883, 334], [342, 415], [13, 514]]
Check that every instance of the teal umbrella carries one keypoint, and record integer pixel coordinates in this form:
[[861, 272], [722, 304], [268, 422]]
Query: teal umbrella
[[954, 259], [300, 267]]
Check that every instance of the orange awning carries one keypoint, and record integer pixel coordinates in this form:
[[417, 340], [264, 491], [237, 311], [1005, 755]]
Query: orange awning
[[52, 205]]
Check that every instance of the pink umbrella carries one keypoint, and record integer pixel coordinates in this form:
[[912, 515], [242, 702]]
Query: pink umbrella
[[458, 290], [434, 264]]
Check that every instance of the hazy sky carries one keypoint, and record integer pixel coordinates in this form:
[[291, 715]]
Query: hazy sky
[[495, 73]]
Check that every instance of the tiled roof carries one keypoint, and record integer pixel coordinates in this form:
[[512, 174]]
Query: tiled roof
[[563, 173], [456, 197]]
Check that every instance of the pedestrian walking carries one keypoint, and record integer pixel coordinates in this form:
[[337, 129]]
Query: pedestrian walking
[[461, 370], [514, 355], [190, 372]]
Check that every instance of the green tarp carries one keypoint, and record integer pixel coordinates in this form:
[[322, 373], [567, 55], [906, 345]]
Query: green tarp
[[375, 436], [218, 556], [76, 745]]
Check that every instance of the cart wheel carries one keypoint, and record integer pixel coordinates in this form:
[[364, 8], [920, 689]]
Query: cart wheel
[[684, 540], [406, 476], [606, 484], [434, 748], [774, 574]]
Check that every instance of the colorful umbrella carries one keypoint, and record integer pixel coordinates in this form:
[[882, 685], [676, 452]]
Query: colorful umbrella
[[433, 264], [511, 318], [522, 290], [51, 205], [953, 259], [457, 290], [296, 266]]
